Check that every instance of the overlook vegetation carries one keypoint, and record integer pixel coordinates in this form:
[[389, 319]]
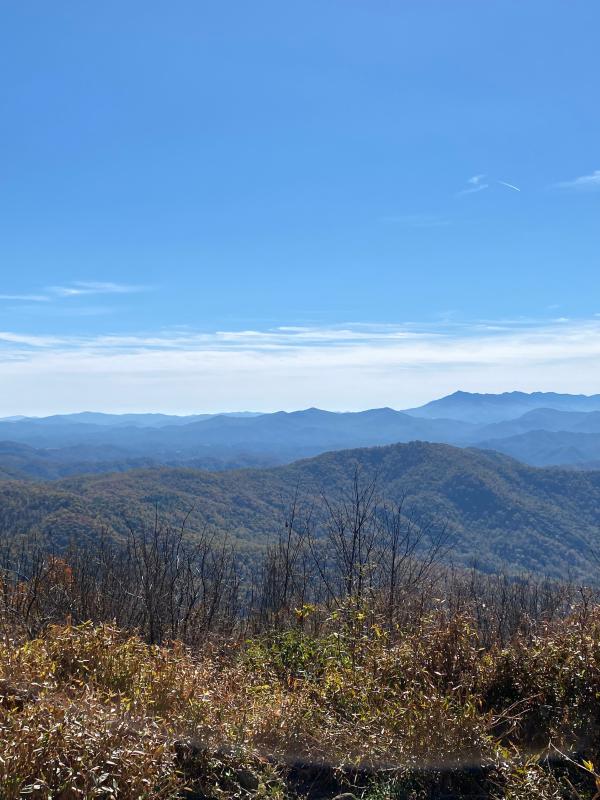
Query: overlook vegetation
[[423, 711], [402, 621], [324, 646]]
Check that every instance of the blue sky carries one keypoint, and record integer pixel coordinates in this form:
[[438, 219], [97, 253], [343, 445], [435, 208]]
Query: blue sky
[[267, 205]]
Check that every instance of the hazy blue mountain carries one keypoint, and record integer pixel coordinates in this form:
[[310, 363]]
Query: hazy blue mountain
[[296, 434], [314, 428], [544, 419], [24, 462], [120, 420], [550, 448], [499, 512], [94, 442], [489, 408]]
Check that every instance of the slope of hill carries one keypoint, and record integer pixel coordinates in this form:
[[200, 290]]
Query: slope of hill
[[499, 513]]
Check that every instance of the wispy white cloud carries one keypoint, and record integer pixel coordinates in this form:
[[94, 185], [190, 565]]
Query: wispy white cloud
[[476, 184], [509, 185], [26, 298], [591, 181], [74, 289], [346, 366], [30, 340], [81, 288]]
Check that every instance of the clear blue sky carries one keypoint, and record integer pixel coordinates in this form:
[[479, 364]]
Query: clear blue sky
[[173, 170]]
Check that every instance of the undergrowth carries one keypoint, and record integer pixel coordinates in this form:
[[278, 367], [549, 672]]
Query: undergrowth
[[91, 711]]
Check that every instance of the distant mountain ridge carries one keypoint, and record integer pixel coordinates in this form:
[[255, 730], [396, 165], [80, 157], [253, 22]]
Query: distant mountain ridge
[[490, 408], [96, 442], [307, 432], [143, 420], [546, 419], [542, 448]]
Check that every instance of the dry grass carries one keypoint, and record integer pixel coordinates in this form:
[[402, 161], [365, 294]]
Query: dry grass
[[95, 712]]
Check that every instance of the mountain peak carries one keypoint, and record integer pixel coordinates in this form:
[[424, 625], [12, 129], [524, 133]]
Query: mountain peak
[[491, 408]]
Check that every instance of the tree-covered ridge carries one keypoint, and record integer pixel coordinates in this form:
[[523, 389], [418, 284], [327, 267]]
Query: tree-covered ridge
[[499, 513]]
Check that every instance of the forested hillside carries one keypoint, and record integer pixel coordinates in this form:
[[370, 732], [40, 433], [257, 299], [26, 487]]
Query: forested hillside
[[499, 514]]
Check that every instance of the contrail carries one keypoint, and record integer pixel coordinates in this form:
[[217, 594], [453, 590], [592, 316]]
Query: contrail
[[510, 186]]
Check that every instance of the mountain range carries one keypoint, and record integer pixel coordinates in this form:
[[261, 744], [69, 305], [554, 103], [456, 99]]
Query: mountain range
[[540, 429], [489, 408], [499, 514]]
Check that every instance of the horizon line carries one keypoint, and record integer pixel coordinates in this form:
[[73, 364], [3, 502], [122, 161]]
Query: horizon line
[[246, 413]]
